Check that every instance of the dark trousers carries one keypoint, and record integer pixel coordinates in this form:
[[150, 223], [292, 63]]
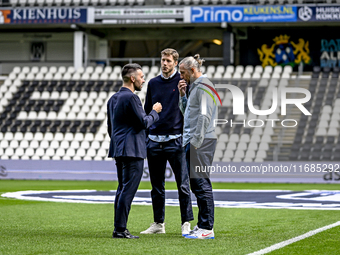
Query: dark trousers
[[129, 171], [158, 155], [200, 182]]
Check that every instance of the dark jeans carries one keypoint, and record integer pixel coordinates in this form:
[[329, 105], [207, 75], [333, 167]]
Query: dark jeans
[[200, 182], [158, 155], [129, 171]]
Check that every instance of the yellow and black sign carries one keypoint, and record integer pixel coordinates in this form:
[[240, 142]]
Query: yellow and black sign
[[285, 52]]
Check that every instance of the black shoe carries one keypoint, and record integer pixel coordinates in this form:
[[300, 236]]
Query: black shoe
[[125, 234]]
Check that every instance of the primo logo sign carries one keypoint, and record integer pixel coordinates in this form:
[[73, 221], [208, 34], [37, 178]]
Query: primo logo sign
[[216, 14], [233, 14], [238, 102]]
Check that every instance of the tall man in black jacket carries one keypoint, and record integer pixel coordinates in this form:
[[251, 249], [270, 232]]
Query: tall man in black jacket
[[127, 122], [164, 144]]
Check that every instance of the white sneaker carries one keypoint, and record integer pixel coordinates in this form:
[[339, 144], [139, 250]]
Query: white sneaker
[[155, 228], [185, 228], [201, 233], [195, 229]]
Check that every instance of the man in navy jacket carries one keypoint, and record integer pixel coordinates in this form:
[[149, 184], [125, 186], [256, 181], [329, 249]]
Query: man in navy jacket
[[164, 144], [127, 122]]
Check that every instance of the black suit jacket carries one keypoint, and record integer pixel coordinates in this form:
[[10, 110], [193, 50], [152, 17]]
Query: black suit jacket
[[127, 122]]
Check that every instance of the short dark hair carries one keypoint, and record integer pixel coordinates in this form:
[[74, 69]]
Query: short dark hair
[[128, 70]]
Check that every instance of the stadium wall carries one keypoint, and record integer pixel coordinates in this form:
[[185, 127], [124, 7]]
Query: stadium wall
[[265, 172]]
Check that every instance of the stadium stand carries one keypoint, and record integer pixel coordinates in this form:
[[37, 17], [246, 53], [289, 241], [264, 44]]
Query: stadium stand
[[48, 3], [317, 137], [60, 113], [43, 110], [51, 107], [23, 3]]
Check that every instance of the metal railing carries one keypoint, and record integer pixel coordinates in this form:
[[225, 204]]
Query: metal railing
[[153, 61]]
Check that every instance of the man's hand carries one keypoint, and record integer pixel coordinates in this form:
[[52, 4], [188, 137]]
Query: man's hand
[[157, 107], [182, 86]]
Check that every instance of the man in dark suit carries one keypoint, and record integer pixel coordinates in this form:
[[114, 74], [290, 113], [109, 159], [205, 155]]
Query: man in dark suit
[[127, 122]]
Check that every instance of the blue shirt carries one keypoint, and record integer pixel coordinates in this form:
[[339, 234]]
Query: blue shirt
[[172, 75]]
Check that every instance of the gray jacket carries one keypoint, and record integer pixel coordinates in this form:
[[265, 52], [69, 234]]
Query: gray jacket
[[200, 111]]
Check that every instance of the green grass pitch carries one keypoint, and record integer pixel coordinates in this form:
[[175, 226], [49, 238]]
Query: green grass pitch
[[28, 227]]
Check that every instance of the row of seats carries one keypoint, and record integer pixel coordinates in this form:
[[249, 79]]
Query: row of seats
[[249, 72], [56, 146], [23, 3], [68, 76], [317, 137], [64, 73], [239, 142], [244, 2], [15, 3], [329, 120], [109, 73], [63, 69], [325, 73], [316, 152]]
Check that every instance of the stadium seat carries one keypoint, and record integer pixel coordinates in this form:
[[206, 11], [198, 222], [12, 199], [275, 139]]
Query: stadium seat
[[230, 69], [217, 76], [277, 69], [227, 75], [114, 76], [255, 139], [252, 146], [258, 69], [249, 69], [236, 159], [223, 138], [118, 69], [242, 146], [22, 2], [220, 69], [239, 69], [332, 132], [261, 154], [258, 131], [245, 138], [11, 76], [250, 154], [14, 2], [234, 138]]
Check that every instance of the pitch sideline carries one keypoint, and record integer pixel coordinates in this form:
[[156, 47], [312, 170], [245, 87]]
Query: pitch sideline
[[295, 239]]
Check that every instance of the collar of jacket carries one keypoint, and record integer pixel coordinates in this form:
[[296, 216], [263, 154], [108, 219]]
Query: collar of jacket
[[196, 82]]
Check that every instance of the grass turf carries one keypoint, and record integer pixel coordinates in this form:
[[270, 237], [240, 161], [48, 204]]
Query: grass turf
[[28, 227]]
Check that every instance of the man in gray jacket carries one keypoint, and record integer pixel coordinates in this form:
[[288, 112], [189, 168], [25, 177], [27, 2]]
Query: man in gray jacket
[[199, 139]]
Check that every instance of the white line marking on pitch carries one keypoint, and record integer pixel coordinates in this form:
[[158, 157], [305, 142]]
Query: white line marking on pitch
[[293, 240]]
